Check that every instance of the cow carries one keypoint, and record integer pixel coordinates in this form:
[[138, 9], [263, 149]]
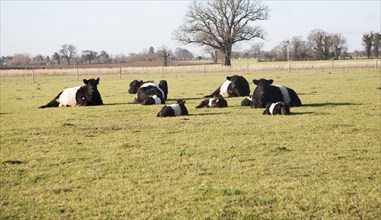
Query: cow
[[234, 86], [86, 95], [278, 108], [216, 102], [265, 93], [247, 101], [149, 93], [173, 110]]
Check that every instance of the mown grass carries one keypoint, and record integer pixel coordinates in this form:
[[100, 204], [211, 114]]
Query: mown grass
[[121, 161]]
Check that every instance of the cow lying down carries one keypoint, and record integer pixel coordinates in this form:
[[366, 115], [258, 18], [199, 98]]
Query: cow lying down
[[265, 93], [216, 102], [278, 108], [173, 110], [234, 86], [78, 96], [149, 93]]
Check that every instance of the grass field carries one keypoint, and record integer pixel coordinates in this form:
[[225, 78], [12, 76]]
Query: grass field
[[121, 161]]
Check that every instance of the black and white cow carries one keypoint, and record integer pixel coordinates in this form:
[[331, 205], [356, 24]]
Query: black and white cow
[[78, 96], [247, 101], [149, 93], [173, 110], [233, 86], [265, 93], [278, 108], [216, 102]]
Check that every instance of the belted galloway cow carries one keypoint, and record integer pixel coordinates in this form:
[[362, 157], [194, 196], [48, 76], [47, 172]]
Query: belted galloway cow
[[78, 96], [265, 93], [149, 93], [278, 108], [234, 86], [216, 102], [173, 110]]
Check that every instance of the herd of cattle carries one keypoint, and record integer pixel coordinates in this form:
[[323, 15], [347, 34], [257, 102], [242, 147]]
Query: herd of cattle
[[276, 99]]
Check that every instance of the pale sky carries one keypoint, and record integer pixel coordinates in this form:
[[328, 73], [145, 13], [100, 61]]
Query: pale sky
[[42, 27]]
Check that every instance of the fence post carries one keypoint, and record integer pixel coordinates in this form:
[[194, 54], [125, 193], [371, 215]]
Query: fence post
[[76, 74], [162, 71], [120, 72], [376, 64], [332, 67], [33, 76]]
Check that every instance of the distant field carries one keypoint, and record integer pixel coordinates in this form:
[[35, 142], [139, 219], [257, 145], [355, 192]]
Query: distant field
[[119, 161], [244, 66]]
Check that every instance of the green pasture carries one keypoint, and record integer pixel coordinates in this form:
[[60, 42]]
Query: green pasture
[[119, 161]]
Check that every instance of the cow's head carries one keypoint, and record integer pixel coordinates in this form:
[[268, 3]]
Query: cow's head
[[91, 82], [134, 86], [262, 86]]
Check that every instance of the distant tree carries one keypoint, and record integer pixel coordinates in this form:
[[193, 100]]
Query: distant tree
[[89, 55], [212, 52], [20, 60], [38, 60], [367, 40], [256, 49], [183, 54], [298, 49], [164, 53], [68, 52], [338, 46], [57, 57], [104, 57], [325, 45], [318, 40], [151, 50], [5, 61], [376, 44], [222, 23]]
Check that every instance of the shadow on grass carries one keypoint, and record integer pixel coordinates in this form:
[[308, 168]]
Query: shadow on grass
[[208, 113], [302, 113], [120, 103], [186, 99], [328, 104]]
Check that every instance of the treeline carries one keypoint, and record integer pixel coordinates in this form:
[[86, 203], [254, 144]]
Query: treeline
[[319, 45], [68, 55]]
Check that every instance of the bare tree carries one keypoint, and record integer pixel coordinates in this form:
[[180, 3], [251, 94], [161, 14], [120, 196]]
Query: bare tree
[[257, 50], [212, 52], [338, 46], [68, 52], [183, 54], [104, 57], [57, 57], [376, 44], [89, 55], [222, 23], [164, 53], [367, 42]]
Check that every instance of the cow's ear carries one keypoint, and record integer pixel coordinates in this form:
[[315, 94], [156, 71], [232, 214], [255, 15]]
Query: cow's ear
[[271, 81], [85, 81], [229, 78], [97, 80], [255, 81]]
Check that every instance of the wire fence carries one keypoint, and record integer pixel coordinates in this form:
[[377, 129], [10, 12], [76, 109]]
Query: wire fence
[[203, 69]]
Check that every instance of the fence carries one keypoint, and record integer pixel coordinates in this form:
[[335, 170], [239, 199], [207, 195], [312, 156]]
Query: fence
[[242, 68]]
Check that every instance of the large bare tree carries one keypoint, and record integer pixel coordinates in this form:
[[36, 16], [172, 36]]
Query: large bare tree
[[68, 52], [222, 23]]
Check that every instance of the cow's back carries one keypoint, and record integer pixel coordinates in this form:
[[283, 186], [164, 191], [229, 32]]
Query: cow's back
[[68, 97]]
